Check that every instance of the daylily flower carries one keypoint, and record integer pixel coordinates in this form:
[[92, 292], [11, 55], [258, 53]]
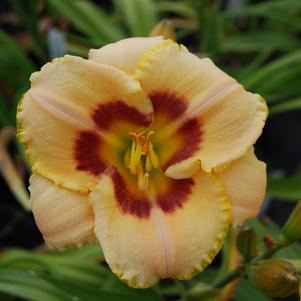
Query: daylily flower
[[147, 149]]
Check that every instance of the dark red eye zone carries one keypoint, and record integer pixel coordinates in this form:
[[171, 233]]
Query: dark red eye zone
[[111, 112], [176, 195], [129, 202], [169, 107], [190, 134], [168, 103], [137, 203], [87, 153]]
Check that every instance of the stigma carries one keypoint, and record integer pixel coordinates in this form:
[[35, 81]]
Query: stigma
[[141, 158]]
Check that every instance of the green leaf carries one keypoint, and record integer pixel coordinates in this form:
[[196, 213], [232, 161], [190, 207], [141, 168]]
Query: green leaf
[[89, 19], [37, 286], [4, 120], [287, 81], [269, 227], [289, 105], [79, 270], [89, 251], [285, 188], [139, 15], [28, 13], [69, 274], [208, 19], [268, 7], [180, 8], [210, 30], [260, 58], [30, 286], [5, 297], [86, 292], [247, 292], [13, 58], [256, 40], [292, 251], [262, 76]]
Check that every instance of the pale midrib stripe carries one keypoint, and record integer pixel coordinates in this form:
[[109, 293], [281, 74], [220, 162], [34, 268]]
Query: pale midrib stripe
[[205, 104], [164, 242], [60, 111], [199, 109], [77, 120]]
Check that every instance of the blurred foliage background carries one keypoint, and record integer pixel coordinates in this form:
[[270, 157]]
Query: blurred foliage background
[[257, 42]]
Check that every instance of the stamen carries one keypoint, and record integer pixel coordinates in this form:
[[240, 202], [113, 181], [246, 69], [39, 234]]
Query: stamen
[[138, 152], [149, 136], [148, 164], [153, 156], [133, 155], [141, 146]]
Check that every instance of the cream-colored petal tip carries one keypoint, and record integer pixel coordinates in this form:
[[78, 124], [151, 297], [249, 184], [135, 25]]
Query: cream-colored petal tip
[[245, 183], [64, 217], [125, 53]]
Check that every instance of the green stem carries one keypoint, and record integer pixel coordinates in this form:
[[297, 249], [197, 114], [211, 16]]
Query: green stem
[[236, 273], [267, 253]]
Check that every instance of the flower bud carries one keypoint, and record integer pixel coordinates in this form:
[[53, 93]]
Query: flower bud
[[291, 231], [246, 243], [274, 277], [165, 29]]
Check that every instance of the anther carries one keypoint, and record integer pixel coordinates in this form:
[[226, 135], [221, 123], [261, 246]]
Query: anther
[[141, 146]]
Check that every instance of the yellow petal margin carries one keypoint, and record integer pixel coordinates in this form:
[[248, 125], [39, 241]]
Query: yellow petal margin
[[140, 251], [245, 183], [124, 54], [232, 118], [60, 105], [64, 217]]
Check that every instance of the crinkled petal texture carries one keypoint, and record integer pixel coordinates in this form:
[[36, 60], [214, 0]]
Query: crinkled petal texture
[[162, 243], [231, 119], [77, 122], [245, 183], [67, 120], [124, 54], [64, 217]]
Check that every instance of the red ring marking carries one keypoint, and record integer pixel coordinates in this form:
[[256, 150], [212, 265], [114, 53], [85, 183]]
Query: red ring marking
[[111, 112], [128, 201], [191, 134], [176, 195], [168, 103], [86, 153]]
